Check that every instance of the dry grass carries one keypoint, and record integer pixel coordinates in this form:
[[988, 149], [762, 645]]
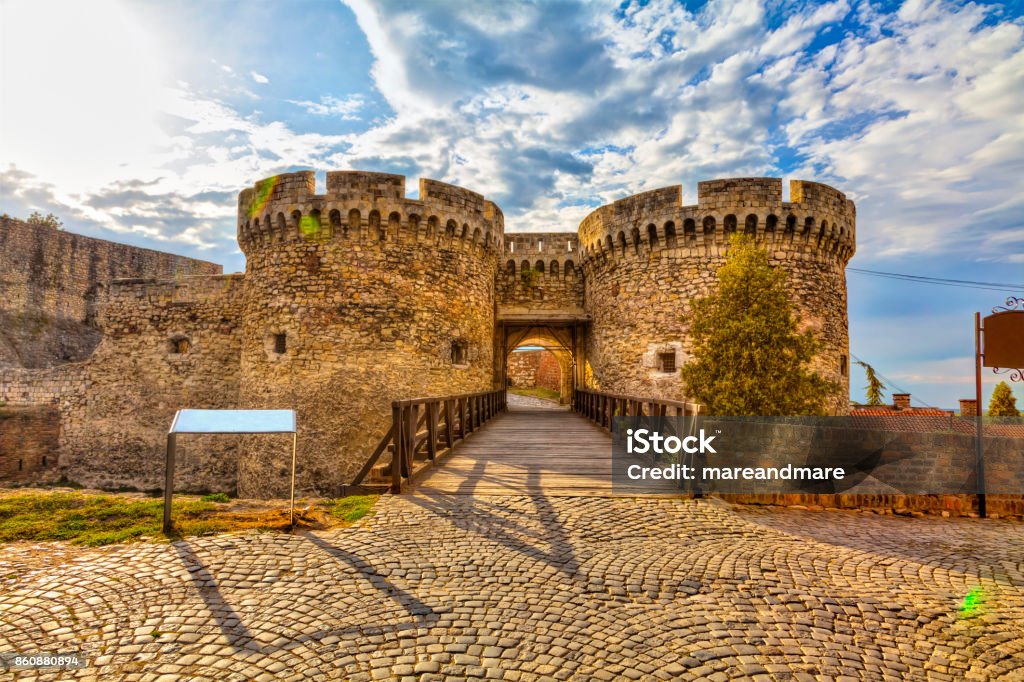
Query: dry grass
[[101, 519]]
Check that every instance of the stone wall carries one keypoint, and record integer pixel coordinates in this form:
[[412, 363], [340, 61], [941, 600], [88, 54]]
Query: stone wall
[[166, 345], [645, 257], [29, 443], [534, 369], [370, 297], [48, 283], [540, 274]]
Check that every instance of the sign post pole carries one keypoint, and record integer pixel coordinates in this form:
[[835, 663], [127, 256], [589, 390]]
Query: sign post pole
[[979, 457], [291, 512], [169, 480]]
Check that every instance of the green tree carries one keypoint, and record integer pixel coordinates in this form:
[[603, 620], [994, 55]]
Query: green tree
[[748, 357], [875, 386], [1003, 403], [48, 220]]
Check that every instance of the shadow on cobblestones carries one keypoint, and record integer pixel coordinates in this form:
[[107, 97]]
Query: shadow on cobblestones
[[424, 613], [229, 622], [550, 542]]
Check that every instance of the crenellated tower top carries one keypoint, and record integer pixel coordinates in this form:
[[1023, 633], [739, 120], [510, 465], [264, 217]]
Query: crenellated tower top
[[818, 219], [366, 206]]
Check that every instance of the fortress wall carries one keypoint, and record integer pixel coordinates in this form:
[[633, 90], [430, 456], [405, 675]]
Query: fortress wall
[[645, 260], [540, 271], [167, 345], [116, 406], [386, 298], [48, 281]]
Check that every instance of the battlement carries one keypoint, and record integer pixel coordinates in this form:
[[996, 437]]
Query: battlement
[[819, 219], [361, 205], [365, 186]]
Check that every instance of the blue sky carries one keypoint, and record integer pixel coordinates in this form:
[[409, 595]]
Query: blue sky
[[141, 121]]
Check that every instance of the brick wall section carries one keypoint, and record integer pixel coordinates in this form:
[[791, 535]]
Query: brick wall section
[[48, 282], [29, 443], [645, 257], [115, 407]]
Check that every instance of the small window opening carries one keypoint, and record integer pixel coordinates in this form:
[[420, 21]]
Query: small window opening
[[280, 343], [21, 464], [44, 460], [843, 368], [180, 345], [460, 354], [667, 363]]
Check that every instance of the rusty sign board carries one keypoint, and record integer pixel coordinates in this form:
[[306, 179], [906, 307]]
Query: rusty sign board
[[1004, 339]]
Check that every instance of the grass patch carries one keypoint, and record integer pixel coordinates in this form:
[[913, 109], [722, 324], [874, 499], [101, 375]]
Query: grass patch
[[537, 392], [94, 520], [350, 509], [89, 519]]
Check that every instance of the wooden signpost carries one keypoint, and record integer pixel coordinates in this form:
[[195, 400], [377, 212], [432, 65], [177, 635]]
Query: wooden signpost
[[999, 344]]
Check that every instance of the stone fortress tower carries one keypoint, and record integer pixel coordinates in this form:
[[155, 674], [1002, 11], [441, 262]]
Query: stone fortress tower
[[646, 256], [359, 296]]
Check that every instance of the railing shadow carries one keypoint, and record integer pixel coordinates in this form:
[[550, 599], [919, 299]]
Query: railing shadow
[[550, 543], [227, 619]]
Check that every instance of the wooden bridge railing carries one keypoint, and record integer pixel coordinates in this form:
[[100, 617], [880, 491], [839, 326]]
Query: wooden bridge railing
[[601, 407], [429, 427]]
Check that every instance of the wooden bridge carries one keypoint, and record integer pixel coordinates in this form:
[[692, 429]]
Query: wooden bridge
[[476, 444]]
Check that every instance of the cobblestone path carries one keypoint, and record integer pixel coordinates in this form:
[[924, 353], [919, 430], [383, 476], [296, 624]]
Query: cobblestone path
[[526, 588]]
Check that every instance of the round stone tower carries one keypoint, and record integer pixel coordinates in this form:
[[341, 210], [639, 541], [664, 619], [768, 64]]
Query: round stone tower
[[354, 298], [646, 256]]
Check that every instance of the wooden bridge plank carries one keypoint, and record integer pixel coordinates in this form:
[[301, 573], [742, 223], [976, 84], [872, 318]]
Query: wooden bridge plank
[[527, 451]]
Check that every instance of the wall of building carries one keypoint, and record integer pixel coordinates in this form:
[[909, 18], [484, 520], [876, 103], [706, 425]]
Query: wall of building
[[48, 283], [378, 297], [645, 257], [29, 443]]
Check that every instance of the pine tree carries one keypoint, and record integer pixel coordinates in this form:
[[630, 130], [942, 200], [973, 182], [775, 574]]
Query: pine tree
[[748, 357], [875, 386], [1003, 403]]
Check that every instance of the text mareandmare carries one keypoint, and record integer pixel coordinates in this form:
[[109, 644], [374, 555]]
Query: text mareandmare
[[643, 441]]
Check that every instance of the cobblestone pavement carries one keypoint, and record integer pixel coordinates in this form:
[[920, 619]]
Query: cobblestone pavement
[[539, 588], [529, 402]]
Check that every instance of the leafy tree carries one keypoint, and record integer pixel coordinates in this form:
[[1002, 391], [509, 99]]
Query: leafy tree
[[875, 386], [1003, 403], [748, 357], [48, 220]]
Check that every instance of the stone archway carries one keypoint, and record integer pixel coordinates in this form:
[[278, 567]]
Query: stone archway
[[563, 338]]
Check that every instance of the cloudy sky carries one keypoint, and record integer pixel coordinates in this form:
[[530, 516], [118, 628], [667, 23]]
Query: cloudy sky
[[141, 121]]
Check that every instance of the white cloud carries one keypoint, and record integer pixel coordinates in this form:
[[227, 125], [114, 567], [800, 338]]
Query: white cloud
[[551, 111], [333, 106]]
